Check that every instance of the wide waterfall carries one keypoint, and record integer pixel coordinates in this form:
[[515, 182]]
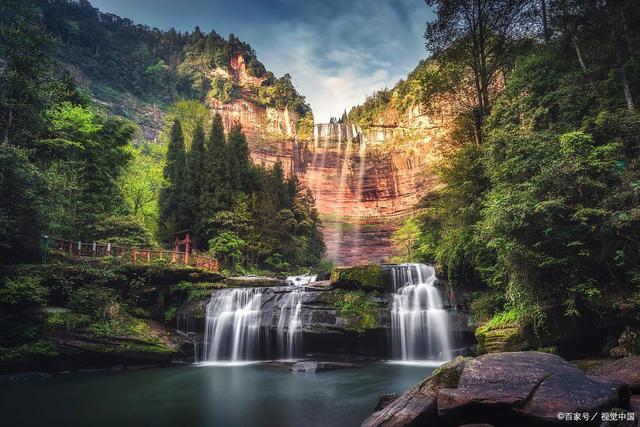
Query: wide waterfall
[[241, 323], [419, 322], [232, 328]]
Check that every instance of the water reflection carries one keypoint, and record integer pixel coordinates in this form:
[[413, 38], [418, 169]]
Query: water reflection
[[206, 395]]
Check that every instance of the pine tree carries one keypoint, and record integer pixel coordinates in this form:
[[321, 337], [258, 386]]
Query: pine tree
[[279, 186], [215, 194], [239, 163], [194, 183], [171, 201]]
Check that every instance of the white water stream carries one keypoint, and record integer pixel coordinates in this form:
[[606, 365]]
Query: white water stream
[[419, 323]]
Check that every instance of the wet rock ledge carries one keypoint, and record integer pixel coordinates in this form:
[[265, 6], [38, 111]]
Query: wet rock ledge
[[515, 389]]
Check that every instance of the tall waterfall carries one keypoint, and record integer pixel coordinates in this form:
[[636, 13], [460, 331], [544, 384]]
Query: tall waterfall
[[419, 322], [232, 328]]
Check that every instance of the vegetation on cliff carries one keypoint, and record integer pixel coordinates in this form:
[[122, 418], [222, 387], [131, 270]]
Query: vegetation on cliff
[[100, 306], [159, 67], [357, 308]]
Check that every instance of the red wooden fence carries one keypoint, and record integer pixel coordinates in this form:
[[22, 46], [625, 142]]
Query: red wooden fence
[[135, 254]]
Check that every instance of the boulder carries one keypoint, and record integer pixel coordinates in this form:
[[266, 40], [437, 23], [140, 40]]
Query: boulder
[[620, 386], [313, 367], [418, 405], [626, 370], [522, 388]]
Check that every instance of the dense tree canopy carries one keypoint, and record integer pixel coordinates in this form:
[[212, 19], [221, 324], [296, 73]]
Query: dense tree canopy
[[543, 206]]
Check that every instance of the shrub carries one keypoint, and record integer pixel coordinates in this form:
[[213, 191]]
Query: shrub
[[95, 301], [358, 308], [25, 290]]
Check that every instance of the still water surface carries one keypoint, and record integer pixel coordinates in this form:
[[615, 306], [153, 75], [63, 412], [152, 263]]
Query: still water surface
[[225, 396]]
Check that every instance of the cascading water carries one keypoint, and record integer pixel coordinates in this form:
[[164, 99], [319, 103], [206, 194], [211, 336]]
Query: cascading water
[[290, 326], [232, 328], [290, 321], [419, 322]]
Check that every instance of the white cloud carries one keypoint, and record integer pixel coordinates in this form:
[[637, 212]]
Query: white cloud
[[337, 62]]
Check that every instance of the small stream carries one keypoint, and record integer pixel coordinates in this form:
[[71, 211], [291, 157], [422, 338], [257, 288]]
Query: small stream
[[205, 395]]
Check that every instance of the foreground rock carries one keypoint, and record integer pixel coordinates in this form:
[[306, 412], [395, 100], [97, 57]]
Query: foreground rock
[[626, 370], [502, 389], [313, 367], [418, 405], [523, 387]]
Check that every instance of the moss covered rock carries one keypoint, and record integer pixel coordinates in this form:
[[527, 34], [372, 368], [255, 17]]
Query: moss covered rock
[[500, 337], [358, 310], [358, 277], [252, 282]]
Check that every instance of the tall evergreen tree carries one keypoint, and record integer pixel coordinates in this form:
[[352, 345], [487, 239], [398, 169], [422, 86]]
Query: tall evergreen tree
[[239, 162], [172, 216], [194, 183], [215, 194]]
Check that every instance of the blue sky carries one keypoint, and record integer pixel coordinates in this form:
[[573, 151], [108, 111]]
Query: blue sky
[[337, 51]]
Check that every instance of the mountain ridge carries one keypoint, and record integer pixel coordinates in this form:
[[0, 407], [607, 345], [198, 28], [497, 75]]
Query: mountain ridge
[[137, 72]]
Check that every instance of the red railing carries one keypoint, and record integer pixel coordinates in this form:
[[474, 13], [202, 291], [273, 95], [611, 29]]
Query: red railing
[[134, 254]]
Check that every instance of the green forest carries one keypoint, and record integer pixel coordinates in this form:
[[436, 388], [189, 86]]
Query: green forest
[[540, 206], [70, 168]]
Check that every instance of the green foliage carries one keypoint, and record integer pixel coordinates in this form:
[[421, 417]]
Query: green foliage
[[358, 308], [506, 318], [228, 247], [170, 314], [325, 266], [405, 238], [542, 204], [25, 290], [172, 196], [22, 209], [38, 348], [141, 185], [251, 217], [223, 90], [280, 93], [96, 301]]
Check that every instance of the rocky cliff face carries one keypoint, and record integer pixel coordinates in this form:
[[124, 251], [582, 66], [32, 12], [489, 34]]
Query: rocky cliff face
[[364, 181], [259, 122]]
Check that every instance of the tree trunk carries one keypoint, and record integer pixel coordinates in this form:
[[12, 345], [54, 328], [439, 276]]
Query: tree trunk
[[574, 42], [625, 30], [623, 74], [545, 27], [8, 128]]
